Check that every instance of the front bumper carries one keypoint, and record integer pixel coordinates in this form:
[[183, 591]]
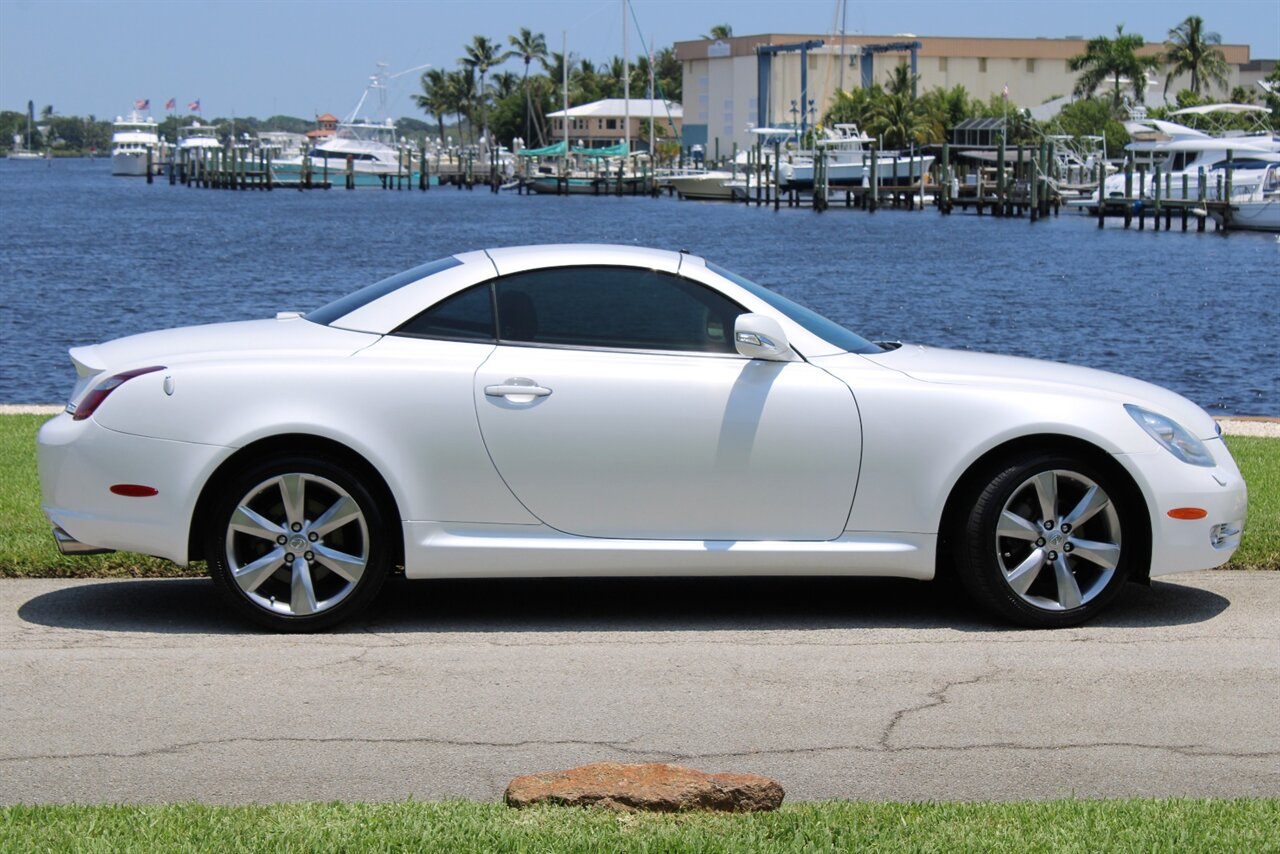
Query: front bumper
[[79, 462], [1168, 484]]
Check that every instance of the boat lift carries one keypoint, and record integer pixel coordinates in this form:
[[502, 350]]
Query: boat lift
[[764, 65], [869, 51]]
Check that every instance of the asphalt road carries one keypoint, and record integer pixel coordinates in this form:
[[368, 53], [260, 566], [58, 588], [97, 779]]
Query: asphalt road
[[147, 691]]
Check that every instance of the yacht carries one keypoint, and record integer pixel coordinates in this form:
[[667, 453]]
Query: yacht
[[131, 139], [1254, 206], [1180, 151], [196, 136], [848, 162]]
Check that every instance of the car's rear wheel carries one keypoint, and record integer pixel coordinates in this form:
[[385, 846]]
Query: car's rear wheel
[[1044, 541], [298, 544]]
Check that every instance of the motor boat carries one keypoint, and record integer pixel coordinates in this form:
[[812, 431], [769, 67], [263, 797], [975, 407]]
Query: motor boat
[[131, 140]]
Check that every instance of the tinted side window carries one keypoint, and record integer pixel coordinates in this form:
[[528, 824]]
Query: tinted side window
[[466, 316], [614, 307], [327, 314]]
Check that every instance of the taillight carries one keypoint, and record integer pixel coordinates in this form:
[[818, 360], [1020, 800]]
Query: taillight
[[94, 398]]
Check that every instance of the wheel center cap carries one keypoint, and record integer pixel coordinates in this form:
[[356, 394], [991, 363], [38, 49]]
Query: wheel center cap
[[297, 543], [1057, 540]]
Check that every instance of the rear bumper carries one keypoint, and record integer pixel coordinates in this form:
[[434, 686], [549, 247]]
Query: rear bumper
[[69, 545], [79, 462]]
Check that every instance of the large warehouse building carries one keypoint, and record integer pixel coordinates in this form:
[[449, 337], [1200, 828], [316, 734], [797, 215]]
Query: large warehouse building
[[722, 77]]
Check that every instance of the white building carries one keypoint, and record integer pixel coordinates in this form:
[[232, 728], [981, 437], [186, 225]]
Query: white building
[[602, 123]]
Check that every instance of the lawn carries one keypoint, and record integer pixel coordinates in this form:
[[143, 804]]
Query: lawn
[[27, 550], [1179, 825]]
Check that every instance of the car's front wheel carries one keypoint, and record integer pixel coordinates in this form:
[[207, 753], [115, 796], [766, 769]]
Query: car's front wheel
[[1044, 543], [298, 544]]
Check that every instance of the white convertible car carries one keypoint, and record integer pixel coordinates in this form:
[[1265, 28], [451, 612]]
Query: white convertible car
[[607, 410]]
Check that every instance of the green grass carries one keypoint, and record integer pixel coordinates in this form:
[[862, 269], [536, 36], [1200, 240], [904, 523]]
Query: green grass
[[27, 550], [457, 826]]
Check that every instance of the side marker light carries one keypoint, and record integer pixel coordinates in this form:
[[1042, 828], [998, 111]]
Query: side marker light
[[1187, 513], [134, 490]]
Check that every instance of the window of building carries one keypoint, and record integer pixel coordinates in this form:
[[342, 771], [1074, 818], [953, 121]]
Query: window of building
[[982, 64], [1031, 66], [942, 63], [611, 124]]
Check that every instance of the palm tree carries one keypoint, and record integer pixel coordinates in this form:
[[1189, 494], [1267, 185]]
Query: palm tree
[[899, 120], [720, 31], [462, 98], [528, 46], [481, 55], [610, 78], [504, 84], [435, 99], [1113, 59], [902, 81], [1193, 50]]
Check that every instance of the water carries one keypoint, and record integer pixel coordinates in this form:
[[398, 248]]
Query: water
[[85, 257]]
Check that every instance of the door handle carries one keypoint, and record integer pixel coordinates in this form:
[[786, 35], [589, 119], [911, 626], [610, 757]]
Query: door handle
[[516, 388]]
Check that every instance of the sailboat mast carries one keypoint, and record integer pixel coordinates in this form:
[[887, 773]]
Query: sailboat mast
[[564, 66], [626, 86]]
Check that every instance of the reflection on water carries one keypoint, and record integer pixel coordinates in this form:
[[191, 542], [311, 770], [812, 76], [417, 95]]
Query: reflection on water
[[86, 257]]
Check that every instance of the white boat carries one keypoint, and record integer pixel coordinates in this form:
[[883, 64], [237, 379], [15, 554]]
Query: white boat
[[1254, 207], [22, 150], [131, 140], [195, 137], [848, 162], [1178, 152], [370, 146], [709, 185]]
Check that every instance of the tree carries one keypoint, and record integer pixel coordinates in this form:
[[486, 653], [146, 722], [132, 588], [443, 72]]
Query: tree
[[902, 81], [1193, 51], [899, 121], [481, 55], [528, 46], [720, 31], [436, 99], [853, 107], [1113, 59]]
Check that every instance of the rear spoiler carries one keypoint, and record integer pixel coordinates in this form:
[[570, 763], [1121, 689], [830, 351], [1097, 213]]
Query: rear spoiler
[[88, 364]]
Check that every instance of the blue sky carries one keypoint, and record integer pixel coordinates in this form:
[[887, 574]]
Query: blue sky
[[261, 57]]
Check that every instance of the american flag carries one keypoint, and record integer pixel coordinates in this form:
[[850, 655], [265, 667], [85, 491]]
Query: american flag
[[143, 104], [171, 103], [194, 106]]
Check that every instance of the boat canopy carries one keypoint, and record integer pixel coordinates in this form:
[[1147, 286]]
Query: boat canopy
[[619, 150], [1207, 109], [556, 150]]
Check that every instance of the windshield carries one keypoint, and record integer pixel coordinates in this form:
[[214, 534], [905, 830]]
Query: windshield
[[828, 330], [343, 306]]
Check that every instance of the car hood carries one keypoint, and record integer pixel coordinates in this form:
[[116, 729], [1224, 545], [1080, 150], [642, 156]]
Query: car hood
[[245, 339], [961, 367]]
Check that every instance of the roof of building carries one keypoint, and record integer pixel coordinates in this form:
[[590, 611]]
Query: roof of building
[[957, 46], [327, 117], [617, 108]]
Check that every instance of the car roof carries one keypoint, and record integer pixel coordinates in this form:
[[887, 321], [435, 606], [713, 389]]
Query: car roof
[[516, 259]]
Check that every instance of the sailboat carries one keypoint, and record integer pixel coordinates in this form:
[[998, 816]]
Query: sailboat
[[21, 151]]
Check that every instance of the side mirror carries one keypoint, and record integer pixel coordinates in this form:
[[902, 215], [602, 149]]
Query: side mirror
[[758, 336]]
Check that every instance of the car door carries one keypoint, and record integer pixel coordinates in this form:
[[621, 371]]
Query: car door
[[616, 406]]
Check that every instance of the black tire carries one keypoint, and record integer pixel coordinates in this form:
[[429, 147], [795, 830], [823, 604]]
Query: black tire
[[335, 554], [1061, 575]]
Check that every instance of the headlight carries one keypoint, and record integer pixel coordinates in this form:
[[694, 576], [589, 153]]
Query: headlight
[[1172, 436]]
